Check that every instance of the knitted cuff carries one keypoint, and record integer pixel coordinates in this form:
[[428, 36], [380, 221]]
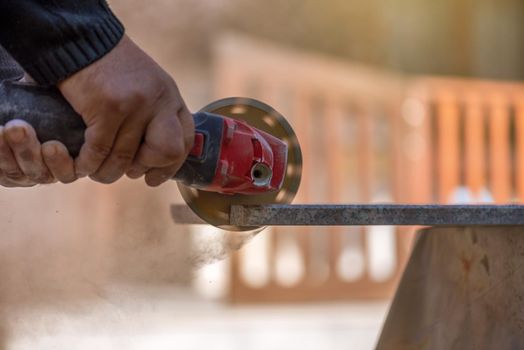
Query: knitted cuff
[[95, 40]]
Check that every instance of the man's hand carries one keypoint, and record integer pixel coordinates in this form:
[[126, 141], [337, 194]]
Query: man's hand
[[24, 162], [136, 119]]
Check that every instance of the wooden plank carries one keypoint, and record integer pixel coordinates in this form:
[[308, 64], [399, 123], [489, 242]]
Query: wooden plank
[[414, 131], [499, 152], [475, 164], [519, 152], [448, 144]]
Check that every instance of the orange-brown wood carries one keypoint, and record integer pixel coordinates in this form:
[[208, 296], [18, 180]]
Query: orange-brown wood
[[499, 148], [475, 164], [519, 152], [448, 144], [414, 164]]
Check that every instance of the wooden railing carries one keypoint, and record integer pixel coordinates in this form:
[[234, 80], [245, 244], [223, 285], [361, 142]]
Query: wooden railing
[[367, 136], [474, 136]]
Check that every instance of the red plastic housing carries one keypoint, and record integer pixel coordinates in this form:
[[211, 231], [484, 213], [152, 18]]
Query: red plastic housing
[[251, 161]]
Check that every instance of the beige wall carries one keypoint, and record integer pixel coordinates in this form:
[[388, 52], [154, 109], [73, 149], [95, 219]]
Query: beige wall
[[178, 34], [60, 242]]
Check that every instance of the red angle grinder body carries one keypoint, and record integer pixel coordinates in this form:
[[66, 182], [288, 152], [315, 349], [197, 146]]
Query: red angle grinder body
[[231, 157]]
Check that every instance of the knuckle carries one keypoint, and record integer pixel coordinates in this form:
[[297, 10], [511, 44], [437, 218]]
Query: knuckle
[[137, 97], [101, 150], [174, 151], [163, 90], [124, 103], [112, 100], [124, 156], [116, 105]]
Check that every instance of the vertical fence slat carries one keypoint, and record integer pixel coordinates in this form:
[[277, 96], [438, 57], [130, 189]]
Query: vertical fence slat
[[448, 144], [475, 165], [412, 129], [499, 148], [519, 133]]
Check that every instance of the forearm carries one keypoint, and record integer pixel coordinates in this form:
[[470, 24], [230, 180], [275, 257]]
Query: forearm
[[52, 40]]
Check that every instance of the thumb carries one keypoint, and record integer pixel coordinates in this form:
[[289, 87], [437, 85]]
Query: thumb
[[164, 143], [99, 139]]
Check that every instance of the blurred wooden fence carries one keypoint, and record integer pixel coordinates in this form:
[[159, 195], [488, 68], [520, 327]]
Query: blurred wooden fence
[[368, 136], [474, 135]]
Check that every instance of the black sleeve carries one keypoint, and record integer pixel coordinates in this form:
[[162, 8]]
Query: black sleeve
[[9, 69], [52, 39]]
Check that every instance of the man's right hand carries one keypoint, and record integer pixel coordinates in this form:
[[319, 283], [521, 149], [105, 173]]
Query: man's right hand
[[136, 119]]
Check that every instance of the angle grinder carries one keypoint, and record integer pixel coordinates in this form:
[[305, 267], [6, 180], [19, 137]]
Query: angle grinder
[[244, 152]]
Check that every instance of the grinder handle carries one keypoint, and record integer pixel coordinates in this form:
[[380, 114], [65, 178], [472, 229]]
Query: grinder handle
[[53, 118]]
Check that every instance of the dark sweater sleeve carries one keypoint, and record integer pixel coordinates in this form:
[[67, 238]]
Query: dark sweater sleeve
[[52, 39]]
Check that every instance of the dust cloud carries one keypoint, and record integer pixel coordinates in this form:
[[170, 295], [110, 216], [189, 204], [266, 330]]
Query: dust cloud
[[211, 246], [69, 248]]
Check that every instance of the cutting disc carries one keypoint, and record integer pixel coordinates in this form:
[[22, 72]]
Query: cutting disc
[[214, 207]]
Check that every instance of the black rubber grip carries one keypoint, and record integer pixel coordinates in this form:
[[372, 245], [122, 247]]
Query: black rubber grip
[[53, 118], [46, 110]]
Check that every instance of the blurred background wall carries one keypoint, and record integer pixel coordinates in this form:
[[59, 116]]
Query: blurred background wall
[[464, 37]]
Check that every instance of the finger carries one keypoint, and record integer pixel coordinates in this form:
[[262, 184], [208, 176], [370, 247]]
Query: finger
[[26, 149], [123, 152], [98, 143], [8, 164], [137, 170], [164, 143], [156, 177], [58, 161], [188, 128], [7, 182]]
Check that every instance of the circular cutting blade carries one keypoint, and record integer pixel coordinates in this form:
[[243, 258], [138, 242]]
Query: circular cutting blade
[[214, 207]]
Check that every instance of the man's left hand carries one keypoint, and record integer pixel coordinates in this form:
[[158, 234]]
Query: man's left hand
[[24, 162]]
